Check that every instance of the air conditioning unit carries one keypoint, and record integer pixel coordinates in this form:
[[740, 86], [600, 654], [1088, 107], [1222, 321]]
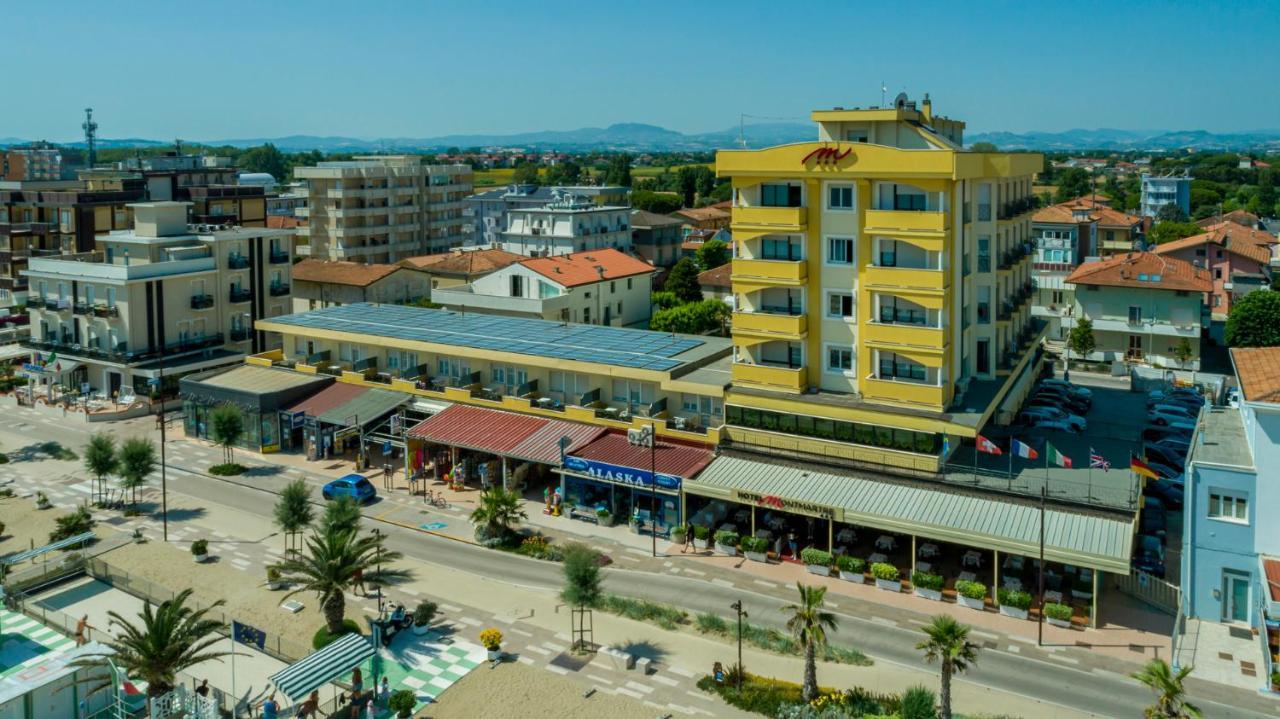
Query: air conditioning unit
[[635, 436]]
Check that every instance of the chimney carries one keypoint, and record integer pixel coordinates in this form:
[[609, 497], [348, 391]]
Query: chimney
[[926, 109]]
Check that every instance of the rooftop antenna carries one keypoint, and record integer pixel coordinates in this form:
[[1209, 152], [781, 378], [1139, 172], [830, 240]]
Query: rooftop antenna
[[90, 135], [883, 89], [742, 130]]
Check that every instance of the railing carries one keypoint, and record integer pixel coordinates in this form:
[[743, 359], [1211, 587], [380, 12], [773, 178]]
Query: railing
[[240, 334], [1013, 208], [278, 258], [120, 353], [279, 289], [1006, 311], [106, 311], [34, 302], [237, 262], [201, 302], [52, 303], [79, 308], [1150, 590], [240, 294]]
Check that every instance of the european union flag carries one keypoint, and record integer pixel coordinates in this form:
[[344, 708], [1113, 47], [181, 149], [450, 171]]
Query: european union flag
[[245, 634]]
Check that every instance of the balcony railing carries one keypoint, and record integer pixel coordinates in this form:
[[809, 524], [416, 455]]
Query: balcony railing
[[53, 303], [240, 334], [106, 311], [237, 262], [241, 294], [1013, 208], [1006, 310], [280, 289], [201, 302], [120, 352], [278, 258], [80, 308]]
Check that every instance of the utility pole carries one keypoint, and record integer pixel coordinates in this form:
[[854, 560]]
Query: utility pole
[[1040, 624], [653, 485], [164, 474], [737, 607]]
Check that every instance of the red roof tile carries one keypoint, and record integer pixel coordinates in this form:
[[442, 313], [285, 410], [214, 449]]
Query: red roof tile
[[1128, 270], [682, 459], [503, 433], [1242, 217], [356, 274], [716, 276], [1258, 369], [591, 266], [464, 262], [1272, 568], [1230, 236]]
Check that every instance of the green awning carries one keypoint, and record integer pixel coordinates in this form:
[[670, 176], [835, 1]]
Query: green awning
[[1085, 539]]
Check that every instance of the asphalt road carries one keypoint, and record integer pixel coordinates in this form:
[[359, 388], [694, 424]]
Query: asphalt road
[[1103, 693]]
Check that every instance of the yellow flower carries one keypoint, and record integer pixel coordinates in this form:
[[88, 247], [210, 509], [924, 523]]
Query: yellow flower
[[491, 638]]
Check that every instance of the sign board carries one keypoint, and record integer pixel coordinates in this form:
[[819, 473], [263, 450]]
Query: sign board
[[617, 474], [789, 505], [85, 388], [386, 448]]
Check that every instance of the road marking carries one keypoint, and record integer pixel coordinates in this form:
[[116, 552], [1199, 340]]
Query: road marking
[[470, 622], [695, 572], [640, 687], [699, 695], [628, 692], [684, 672], [600, 679], [763, 583], [558, 670], [538, 650], [883, 620], [513, 630], [1024, 640], [722, 583], [1062, 658], [524, 660], [665, 680], [984, 635], [1015, 650]]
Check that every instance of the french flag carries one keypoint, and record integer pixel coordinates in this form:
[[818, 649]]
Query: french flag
[[1024, 450]]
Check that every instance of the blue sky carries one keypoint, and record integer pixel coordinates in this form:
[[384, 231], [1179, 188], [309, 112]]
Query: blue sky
[[235, 69]]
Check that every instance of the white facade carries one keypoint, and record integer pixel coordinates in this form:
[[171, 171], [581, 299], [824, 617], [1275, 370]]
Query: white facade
[[568, 224], [519, 291], [1160, 191]]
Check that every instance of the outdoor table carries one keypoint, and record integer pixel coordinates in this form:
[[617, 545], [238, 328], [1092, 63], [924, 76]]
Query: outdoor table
[[972, 558], [877, 557], [846, 535], [928, 549], [1052, 596], [924, 566], [1013, 563], [885, 542], [1012, 583], [764, 534], [967, 576]]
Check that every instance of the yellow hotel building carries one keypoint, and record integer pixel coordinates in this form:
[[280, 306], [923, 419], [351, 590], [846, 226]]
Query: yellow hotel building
[[882, 285]]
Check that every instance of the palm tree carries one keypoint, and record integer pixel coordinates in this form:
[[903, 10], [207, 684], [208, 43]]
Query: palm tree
[[171, 639], [293, 512], [137, 460], [100, 458], [499, 512], [809, 624], [948, 642], [340, 515], [329, 565], [1171, 696]]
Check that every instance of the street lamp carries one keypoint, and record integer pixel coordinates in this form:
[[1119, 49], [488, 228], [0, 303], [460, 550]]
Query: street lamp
[[164, 475], [737, 607], [652, 438]]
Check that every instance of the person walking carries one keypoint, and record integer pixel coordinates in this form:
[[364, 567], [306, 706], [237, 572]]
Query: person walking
[[203, 689], [384, 692], [688, 536], [270, 710], [82, 626], [357, 683], [357, 582]]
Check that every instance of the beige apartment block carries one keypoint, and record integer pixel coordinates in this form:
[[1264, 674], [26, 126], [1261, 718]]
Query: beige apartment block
[[165, 296], [382, 209]]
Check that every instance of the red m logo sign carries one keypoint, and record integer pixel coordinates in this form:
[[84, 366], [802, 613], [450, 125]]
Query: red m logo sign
[[826, 155]]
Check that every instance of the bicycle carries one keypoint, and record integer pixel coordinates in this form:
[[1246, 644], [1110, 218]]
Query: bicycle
[[436, 500]]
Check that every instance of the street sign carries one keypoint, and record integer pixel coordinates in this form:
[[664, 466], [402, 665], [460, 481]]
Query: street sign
[[386, 448]]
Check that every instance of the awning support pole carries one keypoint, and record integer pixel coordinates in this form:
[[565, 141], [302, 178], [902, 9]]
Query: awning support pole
[[831, 534], [753, 520], [995, 577], [1093, 602], [913, 554]]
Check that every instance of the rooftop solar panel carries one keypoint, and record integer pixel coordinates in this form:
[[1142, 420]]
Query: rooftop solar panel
[[615, 346]]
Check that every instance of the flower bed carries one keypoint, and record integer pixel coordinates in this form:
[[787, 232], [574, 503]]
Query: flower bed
[[851, 568], [887, 576], [816, 561]]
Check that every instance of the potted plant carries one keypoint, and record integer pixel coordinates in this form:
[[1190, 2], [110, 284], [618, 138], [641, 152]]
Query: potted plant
[[727, 542], [634, 523], [886, 576], [1014, 603], [402, 702], [1059, 615], [971, 594], [851, 568], [273, 578], [816, 561], [678, 534], [604, 517], [42, 501], [701, 535], [928, 585], [422, 616], [756, 548], [200, 550], [491, 638], [137, 535]]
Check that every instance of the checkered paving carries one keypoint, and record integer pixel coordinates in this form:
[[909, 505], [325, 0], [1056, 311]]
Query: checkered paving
[[24, 641], [425, 665]]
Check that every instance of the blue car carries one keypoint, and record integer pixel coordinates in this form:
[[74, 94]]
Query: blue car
[[351, 485]]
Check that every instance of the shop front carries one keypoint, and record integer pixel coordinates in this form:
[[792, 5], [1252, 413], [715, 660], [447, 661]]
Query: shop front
[[259, 393], [340, 421], [616, 480]]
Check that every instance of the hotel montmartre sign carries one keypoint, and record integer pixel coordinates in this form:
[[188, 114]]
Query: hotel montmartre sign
[[789, 505]]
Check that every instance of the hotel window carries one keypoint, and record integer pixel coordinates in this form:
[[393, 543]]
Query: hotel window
[[839, 359], [840, 197], [779, 195], [894, 366], [1135, 315], [840, 304], [840, 250], [1229, 506]]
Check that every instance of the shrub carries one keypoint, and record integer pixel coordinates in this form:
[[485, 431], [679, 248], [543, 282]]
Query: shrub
[[322, 637], [491, 638], [42, 501], [850, 564], [70, 525], [640, 610], [918, 703], [1061, 612], [1014, 598], [199, 547], [727, 539], [815, 556], [273, 574], [708, 623], [424, 613], [701, 532], [678, 535], [402, 702], [971, 590], [884, 571], [602, 513], [228, 469], [758, 545], [536, 546], [928, 580]]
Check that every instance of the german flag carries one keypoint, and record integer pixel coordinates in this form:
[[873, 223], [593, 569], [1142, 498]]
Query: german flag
[[1137, 466]]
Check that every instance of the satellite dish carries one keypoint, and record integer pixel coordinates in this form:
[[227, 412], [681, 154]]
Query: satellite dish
[[900, 101]]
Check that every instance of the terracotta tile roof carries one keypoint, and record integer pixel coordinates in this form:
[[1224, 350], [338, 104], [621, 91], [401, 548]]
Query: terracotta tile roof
[[284, 222], [326, 399], [701, 214], [1232, 237], [355, 274], [682, 459], [716, 276], [504, 433], [644, 218], [583, 268], [1107, 215], [1241, 217], [465, 262], [1272, 569], [723, 205], [1258, 369], [1140, 270], [1063, 213]]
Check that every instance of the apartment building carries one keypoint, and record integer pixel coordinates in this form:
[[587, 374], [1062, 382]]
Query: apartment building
[[383, 208], [1161, 190], [461, 266], [656, 238], [1064, 236], [1143, 308], [164, 295], [881, 273], [31, 164], [1118, 232], [322, 283], [602, 287], [569, 223], [1238, 258], [488, 210]]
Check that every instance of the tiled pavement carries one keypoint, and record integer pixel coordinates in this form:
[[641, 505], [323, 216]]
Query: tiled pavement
[[26, 641]]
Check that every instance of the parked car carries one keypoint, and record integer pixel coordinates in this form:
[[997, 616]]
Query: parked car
[[1152, 502], [1055, 425], [1181, 445], [1164, 455], [1153, 523], [1065, 404], [1086, 399], [1177, 393], [1168, 493], [350, 485], [1038, 414], [1148, 556], [1072, 388], [1064, 399], [1167, 472], [1166, 413], [1191, 404], [1155, 433]]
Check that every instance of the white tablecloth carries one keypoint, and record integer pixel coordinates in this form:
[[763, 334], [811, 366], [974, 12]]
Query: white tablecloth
[[877, 557], [967, 577], [886, 542]]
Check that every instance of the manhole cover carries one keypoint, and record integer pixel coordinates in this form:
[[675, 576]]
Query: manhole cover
[[572, 662]]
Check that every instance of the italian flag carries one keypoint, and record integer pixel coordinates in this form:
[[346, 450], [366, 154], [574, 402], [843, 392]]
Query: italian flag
[[1056, 457]]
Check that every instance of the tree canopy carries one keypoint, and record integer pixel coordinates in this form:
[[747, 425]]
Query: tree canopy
[[1170, 213], [1072, 183], [691, 317], [712, 254], [1163, 232], [618, 171], [683, 281], [661, 203], [265, 158], [1254, 320], [527, 174]]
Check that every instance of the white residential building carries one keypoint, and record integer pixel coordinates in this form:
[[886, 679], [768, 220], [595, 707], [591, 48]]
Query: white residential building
[[569, 223]]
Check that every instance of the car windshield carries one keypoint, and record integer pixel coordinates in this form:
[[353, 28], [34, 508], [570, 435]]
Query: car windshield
[[363, 484]]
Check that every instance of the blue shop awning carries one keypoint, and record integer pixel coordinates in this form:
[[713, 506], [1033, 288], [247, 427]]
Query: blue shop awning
[[298, 680]]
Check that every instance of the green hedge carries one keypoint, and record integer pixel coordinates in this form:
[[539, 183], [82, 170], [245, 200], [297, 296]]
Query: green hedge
[[851, 564], [971, 590], [885, 571], [322, 636], [1061, 612], [701, 532], [928, 580], [755, 544], [726, 538], [1015, 598], [815, 556]]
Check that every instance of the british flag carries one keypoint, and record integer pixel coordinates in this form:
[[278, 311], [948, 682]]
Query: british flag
[[1097, 461]]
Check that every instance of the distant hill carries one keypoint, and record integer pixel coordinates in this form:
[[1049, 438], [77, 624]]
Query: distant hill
[[1133, 140]]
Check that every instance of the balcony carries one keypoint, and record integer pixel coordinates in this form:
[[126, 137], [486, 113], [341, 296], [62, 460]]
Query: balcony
[[201, 302], [278, 258], [1014, 255], [792, 219], [240, 294], [905, 277], [1014, 208], [1006, 311], [53, 303], [237, 262], [35, 303], [80, 308], [279, 289], [240, 334], [907, 222], [773, 325], [106, 311], [905, 335], [901, 392], [787, 379], [782, 272]]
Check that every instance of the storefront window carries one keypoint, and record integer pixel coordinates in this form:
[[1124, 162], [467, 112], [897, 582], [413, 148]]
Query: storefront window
[[270, 427], [829, 429]]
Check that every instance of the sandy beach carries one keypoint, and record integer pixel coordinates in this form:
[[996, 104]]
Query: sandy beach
[[516, 691]]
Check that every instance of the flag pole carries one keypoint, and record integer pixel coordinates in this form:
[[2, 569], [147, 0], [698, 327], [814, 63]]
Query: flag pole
[[976, 440]]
